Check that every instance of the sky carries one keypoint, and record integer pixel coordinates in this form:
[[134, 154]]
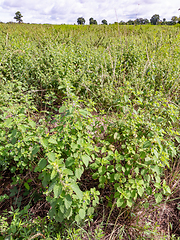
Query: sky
[[67, 11]]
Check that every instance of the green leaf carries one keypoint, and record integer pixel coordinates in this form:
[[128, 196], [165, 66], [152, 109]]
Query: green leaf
[[140, 190], [118, 167], [22, 128], [129, 202], [68, 171], [62, 109], [178, 139], [117, 176], [14, 131], [86, 159], [13, 228], [149, 190], [57, 190], [115, 135], [158, 179], [74, 147], [26, 185], [142, 155], [160, 120], [44, 142], [29, 180], [68, 213], [146, 205], [51, 156], [84, 112], [77, 190], [51, 187], [167, 189], [32, 124], [35, 150], [102, 170], [157, 185], [120, 202], [156, 153], [52, 140], [79, 172], [90, 211], [136, 170], [147, 144], [82, 213], [42, 163], [102, 179], [53, 174], [67, 201], [62, 208], [77, 218], [69, 161], [13, 140], [158, 197]]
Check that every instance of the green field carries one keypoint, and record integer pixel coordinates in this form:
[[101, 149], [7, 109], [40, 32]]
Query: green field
[[89, 132]]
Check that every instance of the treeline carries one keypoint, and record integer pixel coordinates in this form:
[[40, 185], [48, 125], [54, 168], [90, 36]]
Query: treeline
[[154, 20]]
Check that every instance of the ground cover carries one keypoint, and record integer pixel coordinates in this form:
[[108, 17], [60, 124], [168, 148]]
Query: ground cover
[[89, 132]]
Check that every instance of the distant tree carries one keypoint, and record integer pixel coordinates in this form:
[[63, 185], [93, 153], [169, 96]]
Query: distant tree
[[141, 21], [92, 21], [169, 23], [174, 19], [80, 21], [130, 22], [155, 19], [104, 22], [121, 22], [146, 21], [18, 17], [164, 20], [10, 22]]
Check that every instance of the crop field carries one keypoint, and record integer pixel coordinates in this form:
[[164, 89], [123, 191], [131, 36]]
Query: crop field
[[89, 132]]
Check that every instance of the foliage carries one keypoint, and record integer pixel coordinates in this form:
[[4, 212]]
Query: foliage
[[18, 17], [104, 21], [175, 19], [87, 109], [92, 21], [80, 21], [141, 21], [155, 19], [22, 228]]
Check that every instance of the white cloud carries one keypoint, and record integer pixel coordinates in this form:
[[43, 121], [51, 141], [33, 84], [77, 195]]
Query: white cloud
[[67, 11]]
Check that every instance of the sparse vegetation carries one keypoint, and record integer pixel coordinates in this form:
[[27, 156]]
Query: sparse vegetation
[[89, 132]]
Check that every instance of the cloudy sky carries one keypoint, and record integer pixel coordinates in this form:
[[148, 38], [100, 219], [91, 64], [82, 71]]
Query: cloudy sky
[[67, 11]]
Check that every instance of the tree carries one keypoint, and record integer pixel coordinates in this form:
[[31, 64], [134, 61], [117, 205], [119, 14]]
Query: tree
[[81, 21], [121, 22], [130, 22], [104, 22], [174, 19], [141, 21], [146, 21], [92, 21], [164, 20], [18, 17], [155, 19]]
